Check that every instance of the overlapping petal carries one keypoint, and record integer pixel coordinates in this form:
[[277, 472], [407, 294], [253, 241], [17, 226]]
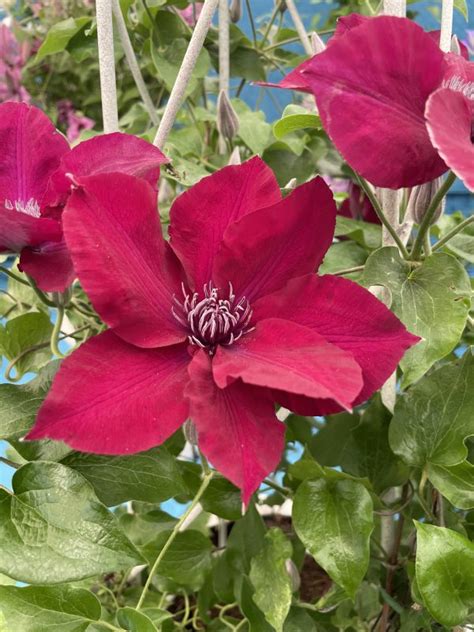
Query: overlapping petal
[[237, 428], [108, 153], [19, 229], [50, 265], [201, 215], [31, 150], [114, 235], [280, 354], [347, 316], [111, 398], [265, 249], [371, 87]]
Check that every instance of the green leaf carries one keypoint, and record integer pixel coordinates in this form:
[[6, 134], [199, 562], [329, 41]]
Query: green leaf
[[221, 497], [188, 559], [53, 529], [455, 482], [135, 621], [334, 520], [461, 6], [48, 609], [22, 333], [152, 476], [295, 118], [18, 408], [364, 233], [59, 35], [461, 244], [431, 299], [271, 580], [342, 255], [167, 61], [434, 418], [445, 573], [298, 620], [246, 63], [254, 131], [361, 447]]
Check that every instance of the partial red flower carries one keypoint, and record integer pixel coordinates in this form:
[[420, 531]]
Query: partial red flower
[[358, 206], [372, 86], [36, 167], [217, 325]]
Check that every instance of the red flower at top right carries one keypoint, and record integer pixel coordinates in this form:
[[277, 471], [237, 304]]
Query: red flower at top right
[[399, 110]]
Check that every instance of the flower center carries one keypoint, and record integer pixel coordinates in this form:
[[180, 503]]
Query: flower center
[[29, 207], [212, 320]]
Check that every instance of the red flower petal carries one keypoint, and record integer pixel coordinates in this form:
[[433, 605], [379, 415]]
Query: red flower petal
[[114, 235], [200, 216], [50, 265], [18, 230], [31, 151], [371, 87], [347, 316], [112, 398], [449, 118], [108, 153], [280, 354], [237, 428], [265, 249]]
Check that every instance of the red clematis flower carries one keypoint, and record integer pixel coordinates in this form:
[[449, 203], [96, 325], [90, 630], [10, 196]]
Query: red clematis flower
[[216, 325], [372, 86], [358, 206], [34, 186]]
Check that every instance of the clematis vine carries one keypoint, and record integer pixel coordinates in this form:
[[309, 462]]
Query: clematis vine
[[385, 79], [36, 169], [216, 325]]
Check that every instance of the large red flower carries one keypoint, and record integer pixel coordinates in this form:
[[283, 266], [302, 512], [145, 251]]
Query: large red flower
[[373, 87], [217, 325], [34, 161]]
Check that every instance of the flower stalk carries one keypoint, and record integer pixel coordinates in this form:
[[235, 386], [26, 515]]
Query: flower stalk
[[108, 88], [204, 485], [184, 75], [452, 233], [132, 62]]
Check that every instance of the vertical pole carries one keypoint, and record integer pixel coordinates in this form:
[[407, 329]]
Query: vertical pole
[[224, 55], [299, 26], [108, 89], [446, 25]]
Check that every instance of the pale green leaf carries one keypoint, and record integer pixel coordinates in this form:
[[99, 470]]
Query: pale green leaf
[[455, 482]]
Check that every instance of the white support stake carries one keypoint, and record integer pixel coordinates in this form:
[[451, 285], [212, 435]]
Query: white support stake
[[184, 75], [224, 46], [132, 62], [108, 89], [446, 25], [299, 26]]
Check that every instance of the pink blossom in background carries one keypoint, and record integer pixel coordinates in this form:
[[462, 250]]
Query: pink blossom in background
[[34, 187], [73, 122], [217, 324], [13, 56], [191, 13]]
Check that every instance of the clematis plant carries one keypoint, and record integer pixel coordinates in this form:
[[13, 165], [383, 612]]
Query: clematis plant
[[36, 169], [217, 325], [385, 78]]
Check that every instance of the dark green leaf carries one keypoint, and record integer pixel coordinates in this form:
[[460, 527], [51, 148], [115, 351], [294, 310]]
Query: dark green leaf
[[364, 233], [152, 476], [188, 559], [135, 621], [270, 578], [361, 447], [445, 573], [246, 63], [53, 529], [433, 419], [59, 35], [431, 299], [25, 332], [334, 520], [47, 609], [18, 408]]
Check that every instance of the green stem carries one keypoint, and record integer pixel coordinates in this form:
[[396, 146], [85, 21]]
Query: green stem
[[13, 276], [348, 270], [56, 332], [41, 295], [12, 464], [109, 626], [428, 217], [252, 23], [284, 491], [380, 213], [205, 482], [452, 233], [273, 17]]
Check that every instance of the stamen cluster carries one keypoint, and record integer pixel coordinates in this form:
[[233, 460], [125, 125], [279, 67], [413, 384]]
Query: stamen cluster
[[211, 320]]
